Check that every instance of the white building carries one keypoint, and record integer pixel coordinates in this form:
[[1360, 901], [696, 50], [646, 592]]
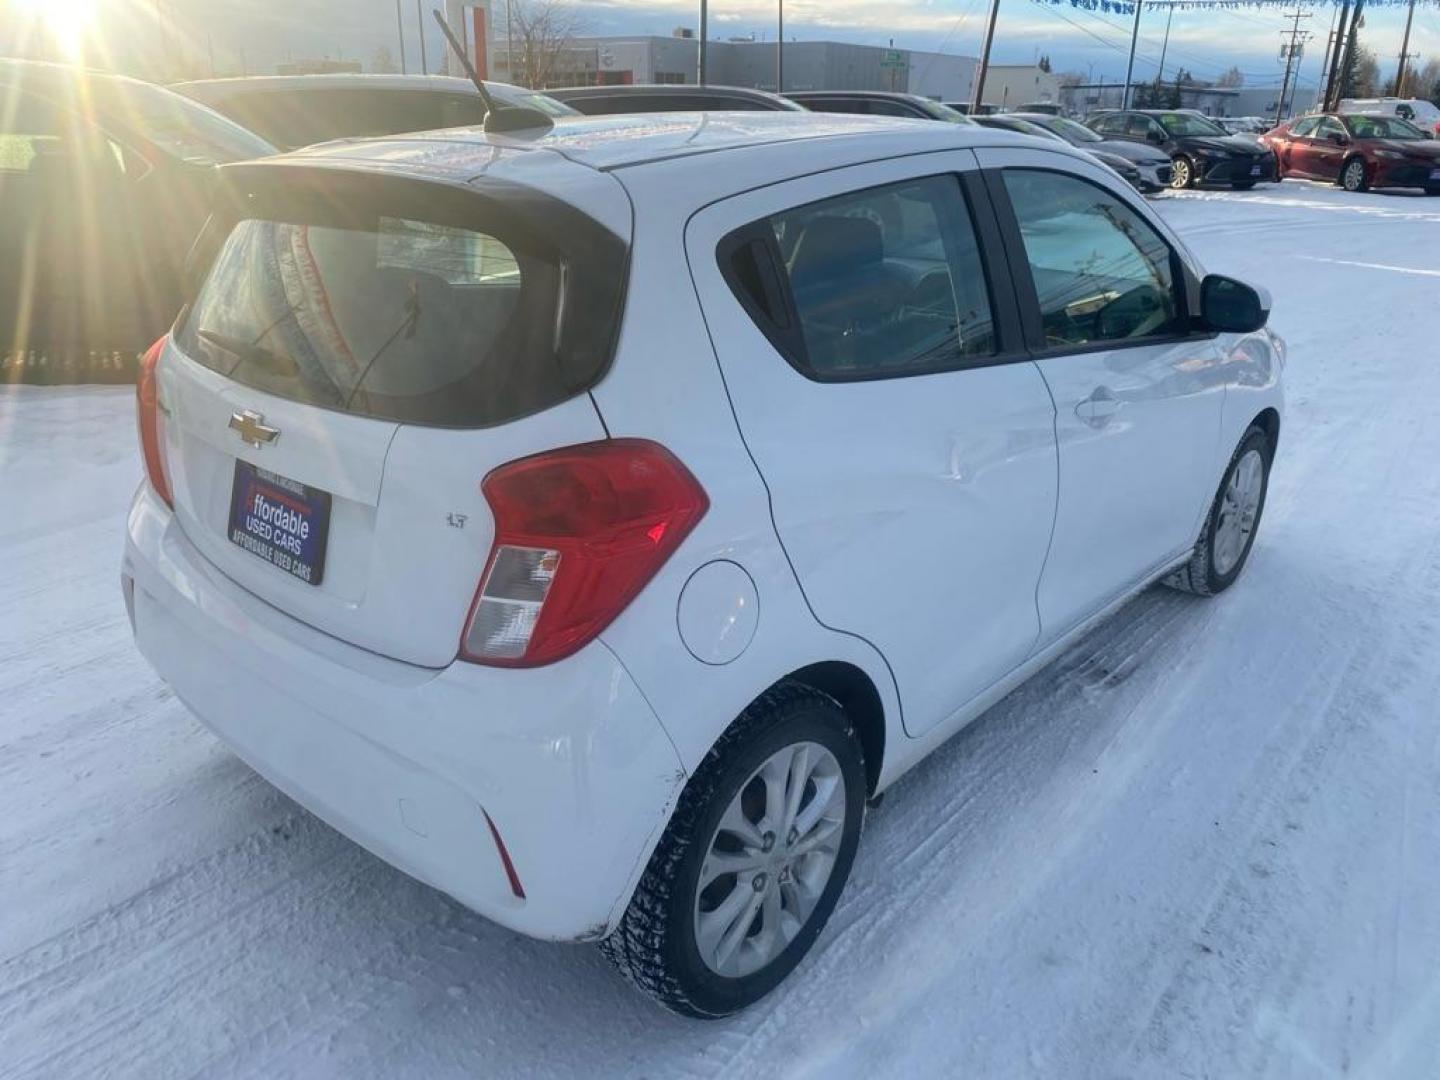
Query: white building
[[1013, 85], [809, 65]]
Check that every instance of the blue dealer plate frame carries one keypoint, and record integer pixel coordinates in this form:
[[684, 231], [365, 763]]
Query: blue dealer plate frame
[[282, 521]]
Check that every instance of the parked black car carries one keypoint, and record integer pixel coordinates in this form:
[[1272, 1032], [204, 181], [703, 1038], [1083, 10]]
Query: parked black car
[[1022, 126], [1152, 163], [1200, 150], [300, 110], [666, 97], [104, 184], [876, 103]]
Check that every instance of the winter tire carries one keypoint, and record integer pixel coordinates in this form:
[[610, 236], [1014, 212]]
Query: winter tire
[[753, 860], [1182, 174], [1352, 176], [1234, 518]]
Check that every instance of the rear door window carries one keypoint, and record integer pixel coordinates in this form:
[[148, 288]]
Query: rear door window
[[883, 282], [399, 317]]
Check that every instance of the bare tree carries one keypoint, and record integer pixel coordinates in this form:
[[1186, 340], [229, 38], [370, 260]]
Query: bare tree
[[1233, 77], [1424, 83], [382, 61], [542, 33]]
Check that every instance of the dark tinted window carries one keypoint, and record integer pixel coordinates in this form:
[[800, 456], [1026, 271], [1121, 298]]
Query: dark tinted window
[[836, 105], [885, 107], [1101, 272], [292, 118], [403, 318], [1382, 127], [886, 281]]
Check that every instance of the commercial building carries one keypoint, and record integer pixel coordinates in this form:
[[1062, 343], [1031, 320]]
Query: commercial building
[[809, 65], [1012, 85]]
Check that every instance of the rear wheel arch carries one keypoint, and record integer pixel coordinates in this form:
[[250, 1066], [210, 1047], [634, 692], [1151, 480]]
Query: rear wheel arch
[[860, 699], [1268, 421]]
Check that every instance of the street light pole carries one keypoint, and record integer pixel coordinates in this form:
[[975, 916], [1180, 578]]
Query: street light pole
[[1130, 67], [780, 46], [704, 17], [400, 30]]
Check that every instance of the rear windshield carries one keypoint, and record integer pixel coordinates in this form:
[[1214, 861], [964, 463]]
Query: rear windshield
[[405, 319]]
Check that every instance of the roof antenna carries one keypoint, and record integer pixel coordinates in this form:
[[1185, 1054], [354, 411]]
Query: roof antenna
[[497, 118]]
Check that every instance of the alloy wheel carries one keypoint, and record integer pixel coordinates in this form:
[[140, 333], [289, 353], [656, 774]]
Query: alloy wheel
[[1239, 508], [1354, 178], [1180, 174], [769, 859]]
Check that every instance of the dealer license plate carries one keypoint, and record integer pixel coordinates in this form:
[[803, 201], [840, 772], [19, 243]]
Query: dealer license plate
[[281, 521]]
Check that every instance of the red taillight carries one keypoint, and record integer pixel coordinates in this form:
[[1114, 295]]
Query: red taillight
[[147, 419], [578, 533]]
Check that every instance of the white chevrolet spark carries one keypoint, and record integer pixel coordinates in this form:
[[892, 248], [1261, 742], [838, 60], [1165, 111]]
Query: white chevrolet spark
[[590, 521]]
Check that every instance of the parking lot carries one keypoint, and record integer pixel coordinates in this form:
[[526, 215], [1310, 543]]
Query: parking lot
[[1201, 843]]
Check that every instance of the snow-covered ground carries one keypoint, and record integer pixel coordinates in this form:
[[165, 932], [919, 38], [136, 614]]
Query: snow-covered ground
[[1204, 843]]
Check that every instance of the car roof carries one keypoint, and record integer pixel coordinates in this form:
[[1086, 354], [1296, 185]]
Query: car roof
[[342, 81], [39, 74], [641, 90], [606, 143], [892, 95]]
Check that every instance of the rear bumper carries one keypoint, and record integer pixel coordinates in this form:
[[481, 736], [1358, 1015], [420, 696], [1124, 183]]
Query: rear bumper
[[567, 762]]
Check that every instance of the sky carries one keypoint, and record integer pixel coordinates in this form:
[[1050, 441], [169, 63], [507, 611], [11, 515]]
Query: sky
[[257, 34]]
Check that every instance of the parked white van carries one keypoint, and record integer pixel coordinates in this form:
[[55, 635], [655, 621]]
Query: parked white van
[[1423, 114]]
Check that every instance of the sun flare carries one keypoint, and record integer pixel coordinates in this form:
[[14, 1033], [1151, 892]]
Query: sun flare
[[68, 24]]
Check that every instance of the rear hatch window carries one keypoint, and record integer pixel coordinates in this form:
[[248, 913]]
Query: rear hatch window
[[446, 315], [362, 351]]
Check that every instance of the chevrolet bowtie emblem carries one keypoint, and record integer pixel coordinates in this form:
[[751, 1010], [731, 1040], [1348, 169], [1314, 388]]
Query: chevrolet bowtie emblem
[[251, 427]]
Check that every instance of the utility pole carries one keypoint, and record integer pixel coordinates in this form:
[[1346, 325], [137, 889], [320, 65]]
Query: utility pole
[[704, 19], [1404, 50], [1347, 56], [1165, 45], [1130, 67], [1332, 75], [780, 48], [420, 21], [400, 30], [977, 92], [1293, 51]]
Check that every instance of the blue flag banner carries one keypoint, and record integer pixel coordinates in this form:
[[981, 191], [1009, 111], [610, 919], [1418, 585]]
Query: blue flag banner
[[1120, 7]]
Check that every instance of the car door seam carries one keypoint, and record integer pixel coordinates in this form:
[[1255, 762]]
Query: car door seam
[[765, 484]]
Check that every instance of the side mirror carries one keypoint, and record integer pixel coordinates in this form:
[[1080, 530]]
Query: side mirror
[[1338, 139], [1232, 307], [1151, 135]]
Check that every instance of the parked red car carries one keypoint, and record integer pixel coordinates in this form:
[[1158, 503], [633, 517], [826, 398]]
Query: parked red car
[[1357, 152]]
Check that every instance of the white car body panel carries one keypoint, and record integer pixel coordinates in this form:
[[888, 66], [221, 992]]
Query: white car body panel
[[1134, 469], [567, 761], [899, 557], [350, 698]]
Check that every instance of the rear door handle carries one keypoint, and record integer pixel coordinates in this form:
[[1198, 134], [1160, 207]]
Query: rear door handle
[[1097, 409]]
